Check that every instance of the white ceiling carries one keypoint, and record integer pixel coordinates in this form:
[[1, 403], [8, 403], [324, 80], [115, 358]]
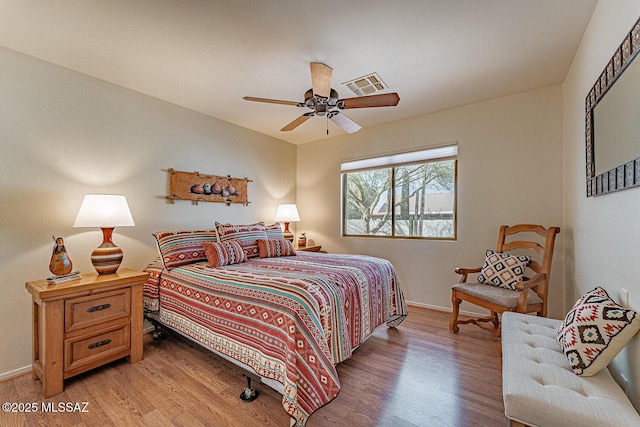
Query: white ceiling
[[206, 55]]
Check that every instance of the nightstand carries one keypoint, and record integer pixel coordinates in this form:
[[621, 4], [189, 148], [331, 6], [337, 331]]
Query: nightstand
[[312, 248], [83, 324]]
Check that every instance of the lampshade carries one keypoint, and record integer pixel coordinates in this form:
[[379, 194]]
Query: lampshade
[[287, 212], [104, 210]]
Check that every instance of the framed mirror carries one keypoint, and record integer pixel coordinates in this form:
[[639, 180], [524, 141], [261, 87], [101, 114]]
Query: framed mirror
[[612, 110]]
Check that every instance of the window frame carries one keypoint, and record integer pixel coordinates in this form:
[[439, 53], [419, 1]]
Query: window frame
[[393, 165]]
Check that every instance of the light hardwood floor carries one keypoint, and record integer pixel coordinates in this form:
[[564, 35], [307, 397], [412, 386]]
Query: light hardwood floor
[[416, 375]]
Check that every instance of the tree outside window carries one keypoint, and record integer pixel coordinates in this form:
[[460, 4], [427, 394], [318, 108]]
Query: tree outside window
[[422, 195]]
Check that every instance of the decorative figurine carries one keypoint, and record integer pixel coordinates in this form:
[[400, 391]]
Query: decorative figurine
[[60, 262]]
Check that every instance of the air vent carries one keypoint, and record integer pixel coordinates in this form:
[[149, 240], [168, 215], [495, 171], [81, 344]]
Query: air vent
[[366, 85]]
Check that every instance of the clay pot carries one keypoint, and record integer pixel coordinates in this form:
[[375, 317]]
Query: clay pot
[[197, 189]]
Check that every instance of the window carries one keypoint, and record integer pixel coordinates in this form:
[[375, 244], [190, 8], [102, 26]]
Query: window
[[408, 195]]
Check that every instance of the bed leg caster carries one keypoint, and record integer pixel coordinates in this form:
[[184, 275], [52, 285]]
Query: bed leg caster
[[249, 394], [159, 335], [152, 325]]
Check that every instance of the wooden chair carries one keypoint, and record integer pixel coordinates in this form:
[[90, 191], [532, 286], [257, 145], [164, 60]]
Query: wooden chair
[[531, 293]]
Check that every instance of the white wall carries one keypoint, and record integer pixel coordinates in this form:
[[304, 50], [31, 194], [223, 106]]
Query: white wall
[[509, 171], [64, 134], [601, 233]]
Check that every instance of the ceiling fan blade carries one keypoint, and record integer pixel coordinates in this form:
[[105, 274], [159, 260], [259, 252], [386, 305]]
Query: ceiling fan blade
[[381, 100], [270, 101], [321, 79], [344, 122], [297, 122]]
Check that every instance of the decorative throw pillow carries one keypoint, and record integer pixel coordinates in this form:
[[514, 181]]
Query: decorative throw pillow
[[224, 253], [246, 235], [503, 270], [183, 247], [596, 295], [595, 331], [274, 231], [275, 247]]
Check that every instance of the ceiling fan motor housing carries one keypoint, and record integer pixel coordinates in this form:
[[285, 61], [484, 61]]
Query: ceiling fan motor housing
[[320, 104]]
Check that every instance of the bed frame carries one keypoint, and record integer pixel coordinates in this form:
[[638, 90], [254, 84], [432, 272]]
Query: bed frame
[[249, 394]]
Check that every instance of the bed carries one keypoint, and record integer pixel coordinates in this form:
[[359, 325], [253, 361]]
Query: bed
[[290, 316]]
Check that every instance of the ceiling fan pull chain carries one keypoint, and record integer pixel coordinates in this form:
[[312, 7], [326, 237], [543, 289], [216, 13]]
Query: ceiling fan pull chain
[[327, 124]]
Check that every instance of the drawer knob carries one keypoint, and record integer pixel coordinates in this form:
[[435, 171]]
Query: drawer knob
[[99, 344], [98, 308]]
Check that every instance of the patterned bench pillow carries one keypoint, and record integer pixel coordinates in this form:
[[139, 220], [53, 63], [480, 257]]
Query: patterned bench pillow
[[595, 330]]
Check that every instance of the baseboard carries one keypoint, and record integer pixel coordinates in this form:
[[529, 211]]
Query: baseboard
[[444, 309], [432, 307], [15, 373]]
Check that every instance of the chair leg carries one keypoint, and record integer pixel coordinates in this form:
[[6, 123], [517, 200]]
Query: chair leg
[[495, 320], [496, 324], [453, 324]]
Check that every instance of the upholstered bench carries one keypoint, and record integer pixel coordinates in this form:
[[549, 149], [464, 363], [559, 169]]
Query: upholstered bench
[[540, 388]]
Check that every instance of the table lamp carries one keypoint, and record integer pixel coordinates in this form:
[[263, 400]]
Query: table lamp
[[106, 212], [287, 213]]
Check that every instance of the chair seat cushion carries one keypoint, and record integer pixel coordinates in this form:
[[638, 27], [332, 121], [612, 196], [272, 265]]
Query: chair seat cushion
[[496, 295]]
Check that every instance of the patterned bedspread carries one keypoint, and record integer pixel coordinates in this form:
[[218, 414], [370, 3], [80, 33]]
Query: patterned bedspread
[[291, 319]]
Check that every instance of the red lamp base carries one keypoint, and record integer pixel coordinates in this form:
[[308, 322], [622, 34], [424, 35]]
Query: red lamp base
[[287, 233], [107, 257]]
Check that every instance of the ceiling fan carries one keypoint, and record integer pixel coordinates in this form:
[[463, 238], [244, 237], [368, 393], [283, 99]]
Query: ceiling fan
[[322, 100]]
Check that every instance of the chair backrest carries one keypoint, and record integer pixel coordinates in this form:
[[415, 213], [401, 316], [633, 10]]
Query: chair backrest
[[544, 251]]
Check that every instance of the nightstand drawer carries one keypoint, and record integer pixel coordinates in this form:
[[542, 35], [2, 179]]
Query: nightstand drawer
[[88, 351], [90, 310]]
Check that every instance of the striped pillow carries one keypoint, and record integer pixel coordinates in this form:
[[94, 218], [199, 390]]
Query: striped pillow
[[275, 247], [246, 235], [224, 253], [274, 231], [183, 247]]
